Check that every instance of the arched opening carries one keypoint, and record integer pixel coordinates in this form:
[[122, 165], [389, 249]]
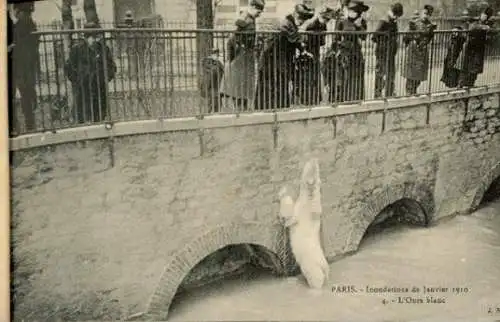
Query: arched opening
[[228, 267], [402, 213], [492, 193]]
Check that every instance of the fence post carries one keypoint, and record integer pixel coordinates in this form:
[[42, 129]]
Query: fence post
[[171, 66]]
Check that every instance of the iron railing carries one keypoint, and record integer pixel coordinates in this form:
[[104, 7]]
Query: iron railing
[[159, 73]]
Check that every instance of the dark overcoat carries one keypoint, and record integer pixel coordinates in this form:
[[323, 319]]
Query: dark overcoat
[[471, 58], [89, 68], [239, 73], [308, 73], [386, 39], [25, 57], [450, 72], [276, 65], [350, 70], [416, 58]]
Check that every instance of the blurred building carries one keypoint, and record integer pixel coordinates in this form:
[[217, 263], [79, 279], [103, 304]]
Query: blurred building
[[179, 13]]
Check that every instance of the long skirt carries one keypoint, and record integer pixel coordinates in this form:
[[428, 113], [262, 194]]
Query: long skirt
[[240, 76]]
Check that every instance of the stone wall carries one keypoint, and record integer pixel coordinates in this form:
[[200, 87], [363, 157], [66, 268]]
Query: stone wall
[[194, 186]]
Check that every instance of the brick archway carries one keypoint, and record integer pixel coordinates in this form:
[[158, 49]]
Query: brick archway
[[185, 259], [417, 194], [485, 183]]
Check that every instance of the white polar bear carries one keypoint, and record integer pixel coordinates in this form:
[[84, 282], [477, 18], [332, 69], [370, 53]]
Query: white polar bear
[[303, 218]]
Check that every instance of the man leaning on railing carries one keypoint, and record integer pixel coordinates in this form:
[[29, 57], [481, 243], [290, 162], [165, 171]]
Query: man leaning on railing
[[350, 68], [308, 81], [276, 64], [89, 67], [417, 57], [470, 62]]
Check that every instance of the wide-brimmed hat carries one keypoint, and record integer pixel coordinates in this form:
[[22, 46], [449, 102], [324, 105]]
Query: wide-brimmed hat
[[304, 12], [358, 6], [259, 4]]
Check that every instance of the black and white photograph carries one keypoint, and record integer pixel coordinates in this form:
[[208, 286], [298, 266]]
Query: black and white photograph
[[253, 160]]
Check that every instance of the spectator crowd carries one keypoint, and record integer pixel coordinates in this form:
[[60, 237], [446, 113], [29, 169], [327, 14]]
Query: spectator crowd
[[295, 64]]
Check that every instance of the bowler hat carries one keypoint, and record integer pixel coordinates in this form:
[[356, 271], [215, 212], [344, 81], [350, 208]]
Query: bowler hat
[[304, 12], [397, 9], [358, 6], [259, 4]]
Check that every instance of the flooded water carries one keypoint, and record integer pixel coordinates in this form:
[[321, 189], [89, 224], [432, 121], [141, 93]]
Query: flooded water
[[459, 259]]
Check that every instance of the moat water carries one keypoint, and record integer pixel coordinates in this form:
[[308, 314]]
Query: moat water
[[447, 272]]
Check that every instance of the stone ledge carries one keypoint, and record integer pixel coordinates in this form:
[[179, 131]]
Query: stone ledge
[[127, 128]]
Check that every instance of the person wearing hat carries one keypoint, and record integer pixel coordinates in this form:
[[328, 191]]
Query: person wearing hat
[[350, 63], [386, 48], [451, 74], [25, 63], [89, 68], [471, 59], [416, 60], [276, 63], [308, 81], [239, 77]]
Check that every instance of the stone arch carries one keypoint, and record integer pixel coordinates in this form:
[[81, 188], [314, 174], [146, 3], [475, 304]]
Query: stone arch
[[485, 183], [183, 260], [413, 194]]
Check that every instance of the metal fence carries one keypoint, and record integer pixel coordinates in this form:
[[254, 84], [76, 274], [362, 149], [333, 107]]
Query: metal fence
[[443, 23], [159, 73]]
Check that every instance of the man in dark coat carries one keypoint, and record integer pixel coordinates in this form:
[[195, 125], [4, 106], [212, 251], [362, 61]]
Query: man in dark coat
[[471, 60], [450, 72], [239, 74], [417, 55], [276, 65], [26, 63], [308, 81], [386, 48], [12, 91], [350, 61], [89, 68]]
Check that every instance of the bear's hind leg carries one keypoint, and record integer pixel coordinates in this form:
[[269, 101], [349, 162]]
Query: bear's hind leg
[[314, 274]]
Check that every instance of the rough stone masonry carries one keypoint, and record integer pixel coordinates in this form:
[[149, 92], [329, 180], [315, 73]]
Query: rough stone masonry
[[194, 186]]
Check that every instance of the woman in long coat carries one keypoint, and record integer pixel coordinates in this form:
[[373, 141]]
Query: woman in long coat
[[416, 59], [239, 75], [471, 59], [350, 69]]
